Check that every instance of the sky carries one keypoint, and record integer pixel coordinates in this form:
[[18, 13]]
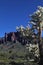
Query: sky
[[15, 13]]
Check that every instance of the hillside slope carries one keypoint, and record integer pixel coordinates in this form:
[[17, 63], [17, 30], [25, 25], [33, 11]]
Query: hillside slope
[[17, 53]]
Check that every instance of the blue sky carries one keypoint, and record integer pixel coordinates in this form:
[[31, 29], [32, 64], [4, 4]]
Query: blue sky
[[15, 13]]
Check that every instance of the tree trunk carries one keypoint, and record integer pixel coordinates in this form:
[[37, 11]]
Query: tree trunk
[[40, 46]]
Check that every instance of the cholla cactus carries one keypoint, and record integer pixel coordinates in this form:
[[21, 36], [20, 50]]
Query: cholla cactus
[[33, 52], [21, 28], [17, 28], [27, 29], [38, 15], [33, 45], [40, 8], [24, 31], [37, 18]]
